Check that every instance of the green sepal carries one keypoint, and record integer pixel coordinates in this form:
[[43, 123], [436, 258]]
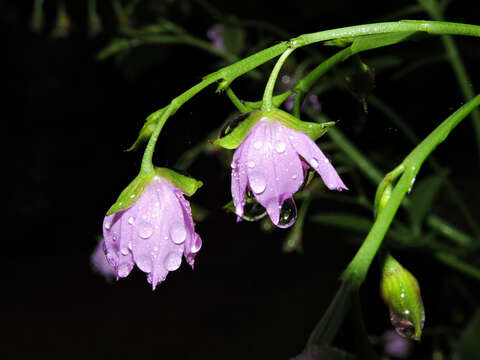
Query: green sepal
[[237, 135], [131, 193], [401, 293], [314, 130], [147, 129], [187, 184]]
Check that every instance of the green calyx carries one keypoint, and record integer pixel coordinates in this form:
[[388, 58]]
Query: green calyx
[[135, 189], [234, 136], [401, 293]]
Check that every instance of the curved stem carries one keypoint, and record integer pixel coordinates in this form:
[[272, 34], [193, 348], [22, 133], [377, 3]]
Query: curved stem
[[268, 94]]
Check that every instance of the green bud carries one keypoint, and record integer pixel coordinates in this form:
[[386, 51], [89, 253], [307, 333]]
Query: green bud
[[401, 293]]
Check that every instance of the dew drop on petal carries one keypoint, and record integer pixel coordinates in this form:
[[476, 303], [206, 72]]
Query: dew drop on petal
[[314, 163], [178, 233], [123, 270], [258, 144], [130, 220], [251, 164], [108, 225], [257, 182], [144, 263], [280, 147], [145, 230], [173, 261], [197, 244], [288, 214], [124, 251], [233, 165]]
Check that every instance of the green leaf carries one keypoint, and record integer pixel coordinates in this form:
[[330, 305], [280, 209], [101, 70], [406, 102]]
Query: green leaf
[[368, 42], [187, 184], [422, 199], [131, 193]]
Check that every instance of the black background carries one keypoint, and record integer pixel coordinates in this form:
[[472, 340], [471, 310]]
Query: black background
[[68, 117]]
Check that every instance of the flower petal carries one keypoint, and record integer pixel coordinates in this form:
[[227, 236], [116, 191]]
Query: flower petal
[[307, 148], [273, 167]]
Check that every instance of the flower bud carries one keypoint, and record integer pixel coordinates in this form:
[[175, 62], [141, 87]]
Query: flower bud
[[400, 292]]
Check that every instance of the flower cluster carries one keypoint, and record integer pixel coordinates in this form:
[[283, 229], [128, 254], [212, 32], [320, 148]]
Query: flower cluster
[[151, 223]]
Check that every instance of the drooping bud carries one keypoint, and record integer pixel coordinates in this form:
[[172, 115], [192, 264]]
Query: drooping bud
[[401, 293]]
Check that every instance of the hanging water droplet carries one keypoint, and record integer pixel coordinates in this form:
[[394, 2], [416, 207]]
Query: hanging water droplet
[[253, 211], [197, 244], [280, 147], [288, 213], [144, 263], [403, 326], [123, 270], [173, 261], [145, 230], [233, 165], [314, 163], [257, 182], [108, 225], [232, 124], [258, 144], [178, 233]]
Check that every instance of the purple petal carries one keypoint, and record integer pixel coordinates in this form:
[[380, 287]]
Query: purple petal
[[157, 230], [239, 176], [307, 148], [99, 262], [273, 167]]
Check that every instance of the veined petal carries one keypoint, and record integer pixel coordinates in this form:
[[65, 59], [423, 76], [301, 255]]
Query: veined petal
[[273, 167], [239, 176], [307, 148]]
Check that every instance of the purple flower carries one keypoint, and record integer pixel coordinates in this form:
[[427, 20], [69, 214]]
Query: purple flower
[[268, 163], [99, 262], [215, 34], [396, 346], [153, 233]]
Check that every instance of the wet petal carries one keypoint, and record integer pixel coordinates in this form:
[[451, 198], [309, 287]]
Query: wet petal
[[307, 148], [239, 176]]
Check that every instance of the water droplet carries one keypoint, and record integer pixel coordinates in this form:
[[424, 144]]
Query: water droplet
[[403, 326], [251, 164], [145, 230], [232, 124], [197, 244], [173, 261], [294, 177], [280, 147], [123, 270], [257, 182], [130, 220], [108, 225], [124, 251], [253, 211], [144, 263], [258, 144], [288, 213], [314, 163], [130, 245], [132, 196], [233, 165], [178, 233]]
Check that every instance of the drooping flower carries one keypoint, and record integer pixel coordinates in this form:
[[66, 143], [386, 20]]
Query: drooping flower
[[154, 232], [270, 162]]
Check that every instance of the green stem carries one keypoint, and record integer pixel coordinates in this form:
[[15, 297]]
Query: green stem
[[458, 265], [236, 101], [268, 94], [450, 232], [147, 160], [358, 268], [464, 81]]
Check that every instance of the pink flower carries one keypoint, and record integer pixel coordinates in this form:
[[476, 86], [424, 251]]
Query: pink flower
[[99, 262], [269, 163], [153, 233]]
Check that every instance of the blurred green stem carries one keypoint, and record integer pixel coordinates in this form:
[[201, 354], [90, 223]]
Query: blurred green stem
[[435, 11]]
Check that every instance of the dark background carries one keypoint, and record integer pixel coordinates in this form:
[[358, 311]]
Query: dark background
[[69, 117]]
